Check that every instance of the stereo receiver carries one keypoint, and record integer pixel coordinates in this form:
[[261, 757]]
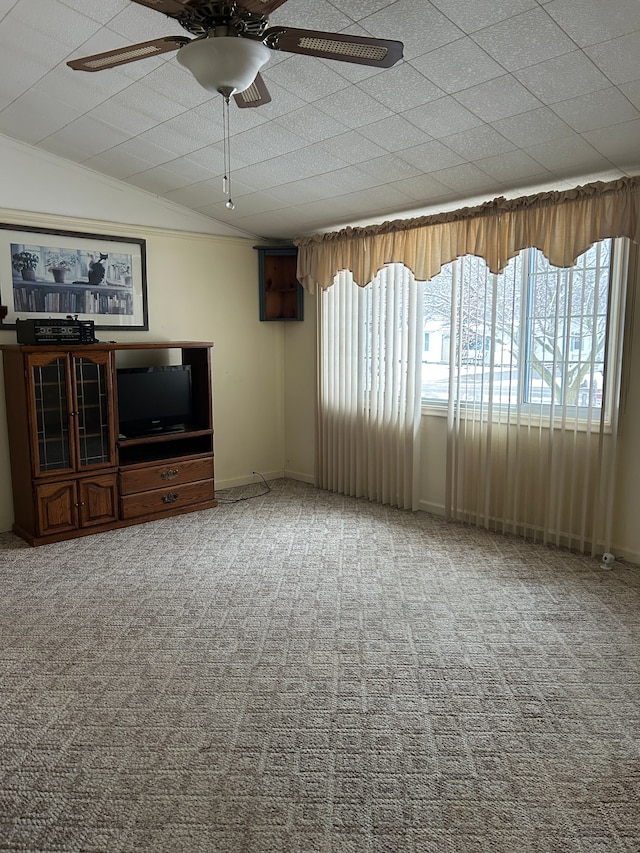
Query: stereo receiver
[[50, 331]]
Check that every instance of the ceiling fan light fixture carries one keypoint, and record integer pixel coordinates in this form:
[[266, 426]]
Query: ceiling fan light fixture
[[225, 64]]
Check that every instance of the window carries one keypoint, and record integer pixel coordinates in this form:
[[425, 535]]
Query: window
[[534, 336]]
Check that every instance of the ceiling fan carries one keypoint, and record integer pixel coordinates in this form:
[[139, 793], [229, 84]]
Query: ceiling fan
[[232, 41]]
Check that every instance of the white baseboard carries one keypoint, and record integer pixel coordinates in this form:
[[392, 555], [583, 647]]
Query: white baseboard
[[434, 509], [298, 475], [247, 480]]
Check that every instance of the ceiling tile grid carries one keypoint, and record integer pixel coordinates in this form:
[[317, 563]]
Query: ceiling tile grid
[[491, 96]]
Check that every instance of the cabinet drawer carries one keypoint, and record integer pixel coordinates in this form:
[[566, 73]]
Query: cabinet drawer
[[169, 498], [165, 475]]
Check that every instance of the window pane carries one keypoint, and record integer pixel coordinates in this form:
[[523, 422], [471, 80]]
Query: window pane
[[566, 329], [533, 335]]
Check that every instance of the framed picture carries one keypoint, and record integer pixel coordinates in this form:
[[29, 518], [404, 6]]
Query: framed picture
[[51, 273]]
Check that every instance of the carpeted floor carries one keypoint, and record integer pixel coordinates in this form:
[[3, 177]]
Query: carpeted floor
[[307, 672]]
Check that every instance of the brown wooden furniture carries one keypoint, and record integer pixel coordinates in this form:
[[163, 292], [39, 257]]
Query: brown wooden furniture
[[71, 472], [281, 294]]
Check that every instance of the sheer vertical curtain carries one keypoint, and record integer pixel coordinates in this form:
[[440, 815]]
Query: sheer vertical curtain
[[370, 356], [533, 390]]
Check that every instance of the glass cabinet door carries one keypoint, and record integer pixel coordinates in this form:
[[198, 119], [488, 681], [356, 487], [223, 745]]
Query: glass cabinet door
[[95, 444], [49, 376]]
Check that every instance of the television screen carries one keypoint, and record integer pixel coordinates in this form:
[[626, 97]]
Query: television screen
[[154, 399]]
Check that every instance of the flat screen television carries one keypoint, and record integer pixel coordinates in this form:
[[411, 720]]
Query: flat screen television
[[154, 399]]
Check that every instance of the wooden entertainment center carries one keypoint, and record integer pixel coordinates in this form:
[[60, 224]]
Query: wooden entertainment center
[[72, 472]]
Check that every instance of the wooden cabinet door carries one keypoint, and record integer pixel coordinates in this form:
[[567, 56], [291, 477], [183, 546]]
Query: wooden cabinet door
[[56, 508], [50, 401], [98, 500], [93, 412]]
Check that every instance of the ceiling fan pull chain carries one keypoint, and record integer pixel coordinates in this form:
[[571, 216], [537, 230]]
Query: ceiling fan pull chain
[[226, 180]]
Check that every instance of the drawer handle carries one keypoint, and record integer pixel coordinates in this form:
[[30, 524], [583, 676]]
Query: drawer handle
[[169, 474], [170, 498]]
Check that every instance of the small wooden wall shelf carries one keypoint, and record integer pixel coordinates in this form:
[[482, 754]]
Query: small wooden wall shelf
[[281, 294]]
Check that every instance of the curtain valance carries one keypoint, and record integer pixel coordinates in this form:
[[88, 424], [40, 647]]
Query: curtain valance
[[562, 224]]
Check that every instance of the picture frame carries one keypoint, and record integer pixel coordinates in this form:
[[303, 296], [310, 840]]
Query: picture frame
[[54, 273]]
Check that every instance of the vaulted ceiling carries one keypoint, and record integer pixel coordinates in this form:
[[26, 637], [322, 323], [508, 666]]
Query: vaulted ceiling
[[492, 97]]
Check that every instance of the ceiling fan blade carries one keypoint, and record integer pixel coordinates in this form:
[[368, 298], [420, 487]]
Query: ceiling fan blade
[[259, 7], [359, 49], [169, 7], [112, 58], [255, 96]]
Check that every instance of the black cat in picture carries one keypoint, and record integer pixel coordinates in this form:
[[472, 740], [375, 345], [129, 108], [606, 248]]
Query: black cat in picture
[[97, 269]]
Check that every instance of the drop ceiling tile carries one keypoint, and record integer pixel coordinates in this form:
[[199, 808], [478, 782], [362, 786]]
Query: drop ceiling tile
[[129, 120], [393, 134], [34, 116], [306, 163], [119, 166], [563, 77], [210, 158], [431, 156], [320, 15], [209, 116], [101, 12], [26, 57], [250, 205], [353, 108], [307, 77], [190, 126], [299, 192], [442, 118], [417, 23], [159, 180], [401, 88], [619, 58], [619, 144], [142, 24], [512, 166], [352, 147], [153, 103], [481, 13], [389, 168], [169, 139], [56, 21], [525, 39], [466, 179], [72, 87], [592, 21], [198, 195], [424, 189], [458, 65], [530, 128], [264, 143], [149, 152], [371, 202], [632, 92], [569, 155], [597, 109], [86, 136], [189, 171], [312, 124], [498, 98], [478, 142]]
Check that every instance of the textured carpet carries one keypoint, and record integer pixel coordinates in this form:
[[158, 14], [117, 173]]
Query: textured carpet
[[307, 672]]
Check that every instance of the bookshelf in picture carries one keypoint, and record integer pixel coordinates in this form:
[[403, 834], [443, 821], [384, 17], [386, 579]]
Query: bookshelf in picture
[[72, 299]]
